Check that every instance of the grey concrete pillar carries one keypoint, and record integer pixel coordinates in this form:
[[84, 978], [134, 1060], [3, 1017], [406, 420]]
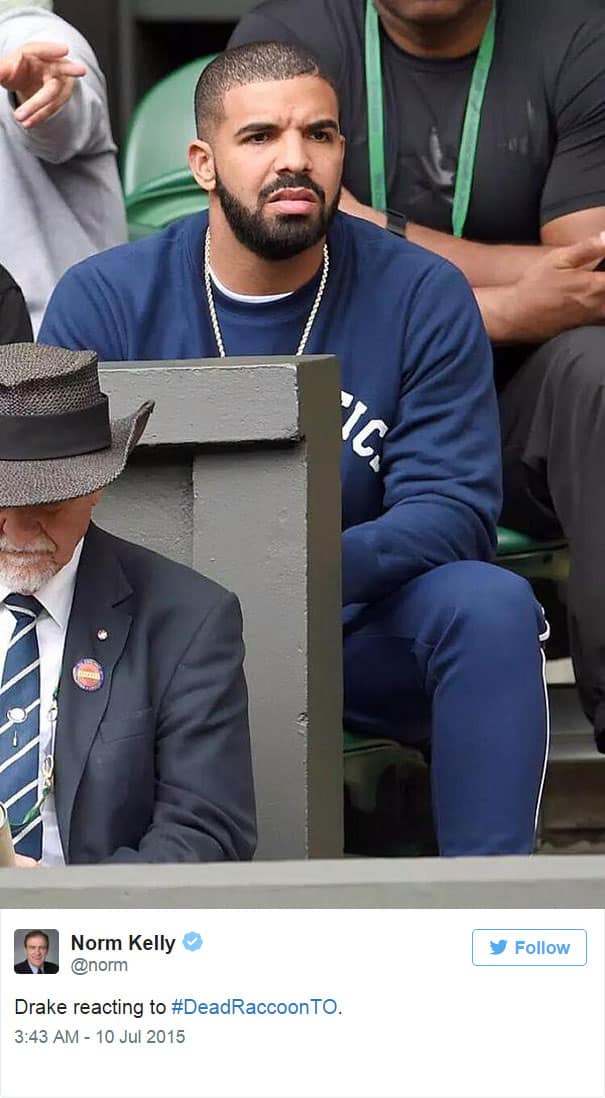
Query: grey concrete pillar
[[239, 477]]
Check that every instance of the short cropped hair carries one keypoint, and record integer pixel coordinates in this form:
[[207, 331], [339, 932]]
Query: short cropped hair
[[253, 63], [36, 934]]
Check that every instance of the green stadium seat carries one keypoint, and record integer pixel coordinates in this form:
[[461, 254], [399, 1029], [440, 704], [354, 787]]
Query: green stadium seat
[[387, 799], [156, 204], [531, 558], [158, 186], [161, 128], [365, 762]]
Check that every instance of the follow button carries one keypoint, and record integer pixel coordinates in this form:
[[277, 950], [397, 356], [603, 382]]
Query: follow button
[[507, 947]]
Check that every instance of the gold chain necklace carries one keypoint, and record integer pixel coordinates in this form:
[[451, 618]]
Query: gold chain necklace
[[212, 308]]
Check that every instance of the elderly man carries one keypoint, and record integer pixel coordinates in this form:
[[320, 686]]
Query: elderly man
[[123, 707], [475, 128], [274, 269], [61, 195]]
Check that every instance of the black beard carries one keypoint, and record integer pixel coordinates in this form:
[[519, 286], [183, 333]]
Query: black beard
[[395, 9], [285, 236]]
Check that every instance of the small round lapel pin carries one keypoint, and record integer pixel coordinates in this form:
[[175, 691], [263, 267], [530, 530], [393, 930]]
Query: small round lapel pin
[[88, 674], [16, 715], [102, 634]]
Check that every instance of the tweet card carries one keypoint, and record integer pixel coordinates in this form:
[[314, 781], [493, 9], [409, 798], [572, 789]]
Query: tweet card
[[301, 1004]]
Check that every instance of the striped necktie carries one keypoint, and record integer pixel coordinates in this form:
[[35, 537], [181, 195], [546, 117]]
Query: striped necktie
[[20, 725]]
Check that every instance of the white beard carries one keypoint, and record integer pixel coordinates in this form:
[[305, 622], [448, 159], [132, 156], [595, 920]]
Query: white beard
[[26, 568]]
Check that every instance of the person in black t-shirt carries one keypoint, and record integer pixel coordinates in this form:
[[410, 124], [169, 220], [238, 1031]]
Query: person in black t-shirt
[[529, 240], [15, 325]]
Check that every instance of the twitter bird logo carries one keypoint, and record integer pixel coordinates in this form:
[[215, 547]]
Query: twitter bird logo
[[498, 947]]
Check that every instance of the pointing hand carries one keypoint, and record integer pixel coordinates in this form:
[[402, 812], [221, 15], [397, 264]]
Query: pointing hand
[[42, 79]]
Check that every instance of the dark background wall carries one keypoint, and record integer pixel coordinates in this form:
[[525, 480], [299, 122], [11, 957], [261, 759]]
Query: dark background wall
[[96, 22], [139, 41]]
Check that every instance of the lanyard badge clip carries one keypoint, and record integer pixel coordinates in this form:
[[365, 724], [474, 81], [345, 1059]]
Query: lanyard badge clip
[[48, 774]]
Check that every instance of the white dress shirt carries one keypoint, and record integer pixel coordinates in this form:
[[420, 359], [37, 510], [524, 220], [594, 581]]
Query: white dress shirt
[[56, 597]]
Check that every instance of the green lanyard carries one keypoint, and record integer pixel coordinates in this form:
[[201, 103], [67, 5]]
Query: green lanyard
[[472, 117]]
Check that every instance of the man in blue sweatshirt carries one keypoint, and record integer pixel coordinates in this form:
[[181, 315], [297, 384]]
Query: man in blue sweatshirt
[[436, 639]]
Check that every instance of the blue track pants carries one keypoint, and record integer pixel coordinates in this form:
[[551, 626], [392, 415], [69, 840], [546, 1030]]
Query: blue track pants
[[455, 656]]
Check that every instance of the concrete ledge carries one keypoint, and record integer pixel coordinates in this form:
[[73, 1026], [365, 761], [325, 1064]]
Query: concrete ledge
[[210, 402], [549, 882]]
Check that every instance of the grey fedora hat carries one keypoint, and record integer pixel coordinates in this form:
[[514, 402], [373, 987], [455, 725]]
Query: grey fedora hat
[[56, 438]]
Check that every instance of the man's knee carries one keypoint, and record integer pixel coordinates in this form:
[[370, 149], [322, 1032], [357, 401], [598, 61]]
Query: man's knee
[[488, 598], [577, 359]]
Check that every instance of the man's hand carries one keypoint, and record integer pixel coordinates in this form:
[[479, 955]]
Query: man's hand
[[42, 79], [22, 862], [348, 204], [557, 290], [561, 290]]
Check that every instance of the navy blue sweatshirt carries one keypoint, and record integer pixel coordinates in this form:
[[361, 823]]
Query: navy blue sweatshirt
[[421, 443]]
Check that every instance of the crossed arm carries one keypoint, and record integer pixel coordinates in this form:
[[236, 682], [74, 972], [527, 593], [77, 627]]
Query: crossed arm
[[526, 293]]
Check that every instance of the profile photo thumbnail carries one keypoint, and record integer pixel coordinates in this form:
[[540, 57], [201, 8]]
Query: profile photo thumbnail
[[36, 952]]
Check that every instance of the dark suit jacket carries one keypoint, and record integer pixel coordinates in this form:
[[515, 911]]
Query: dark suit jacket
[[49, 968], [15, 325], [155, 765]]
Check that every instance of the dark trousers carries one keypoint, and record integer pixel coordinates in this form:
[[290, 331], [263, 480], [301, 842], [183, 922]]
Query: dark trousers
[[553, 436], [455, 655]]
